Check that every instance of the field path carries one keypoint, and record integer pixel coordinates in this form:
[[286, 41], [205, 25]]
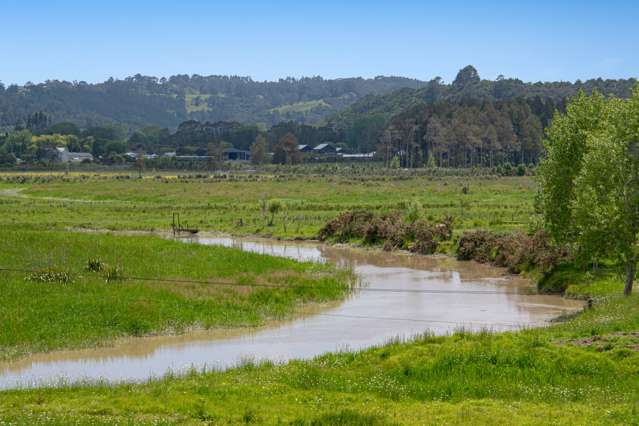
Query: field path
[[18, 192]]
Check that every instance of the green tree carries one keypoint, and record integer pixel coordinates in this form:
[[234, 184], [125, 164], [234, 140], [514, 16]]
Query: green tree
[[259, 150], [590, 180]]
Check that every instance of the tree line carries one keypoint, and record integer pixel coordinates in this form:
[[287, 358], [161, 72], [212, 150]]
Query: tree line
[[470, 122]]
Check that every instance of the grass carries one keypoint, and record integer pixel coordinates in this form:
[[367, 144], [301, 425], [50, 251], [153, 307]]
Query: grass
[[232, 203], [196, 102], [300, 107], [88, 310]]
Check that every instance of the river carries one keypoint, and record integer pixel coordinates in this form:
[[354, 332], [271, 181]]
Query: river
[[401, 296]]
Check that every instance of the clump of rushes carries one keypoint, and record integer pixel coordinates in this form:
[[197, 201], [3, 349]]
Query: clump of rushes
[[50, 276], [95, 265], [113, 273], [110, 273]]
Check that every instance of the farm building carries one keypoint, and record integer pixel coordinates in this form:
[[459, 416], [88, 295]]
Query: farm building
[[325, 148], [234, 154], [63, 155]]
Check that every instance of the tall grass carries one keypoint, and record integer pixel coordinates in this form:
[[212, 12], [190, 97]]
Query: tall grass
[[233, 205], [92, 307]]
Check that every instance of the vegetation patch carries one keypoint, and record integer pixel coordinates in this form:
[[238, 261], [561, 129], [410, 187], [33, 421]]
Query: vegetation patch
[[390, 230], [517, 251], [101, 295]]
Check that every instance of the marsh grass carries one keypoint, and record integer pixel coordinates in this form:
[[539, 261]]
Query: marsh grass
[[55, 308], [240, 204]]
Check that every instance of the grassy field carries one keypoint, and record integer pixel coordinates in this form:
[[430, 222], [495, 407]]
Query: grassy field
[[582, 370], [233, 203], [84, 309]]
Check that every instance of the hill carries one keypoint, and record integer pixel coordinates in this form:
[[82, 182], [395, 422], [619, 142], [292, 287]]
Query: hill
[[141, 100]]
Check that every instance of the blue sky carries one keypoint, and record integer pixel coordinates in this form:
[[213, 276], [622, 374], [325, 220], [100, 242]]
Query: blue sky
[[532, 40]]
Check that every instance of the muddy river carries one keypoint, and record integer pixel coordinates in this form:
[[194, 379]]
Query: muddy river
[[402, 296]]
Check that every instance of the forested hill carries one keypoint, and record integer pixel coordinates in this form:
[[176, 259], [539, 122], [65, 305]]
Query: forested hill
[[470, 121], [139, 100]]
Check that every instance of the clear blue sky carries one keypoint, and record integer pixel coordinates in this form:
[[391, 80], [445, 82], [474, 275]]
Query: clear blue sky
[[532, 40]]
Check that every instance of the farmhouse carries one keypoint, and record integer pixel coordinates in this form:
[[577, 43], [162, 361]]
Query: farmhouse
[[325, 148], [63, 155], [304, 148]]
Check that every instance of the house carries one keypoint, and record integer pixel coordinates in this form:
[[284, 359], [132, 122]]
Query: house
[[304, 148], [234, 154], [325, 148], [63, 155]]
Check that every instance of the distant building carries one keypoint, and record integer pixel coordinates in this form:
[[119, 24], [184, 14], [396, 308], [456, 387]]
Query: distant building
[[63, 155], [325, 148], [304, 148], [358, 157], [234, 154]]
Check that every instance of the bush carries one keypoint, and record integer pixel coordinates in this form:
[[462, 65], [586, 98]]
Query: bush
[[389, 230], [346, 226], [516, 251]]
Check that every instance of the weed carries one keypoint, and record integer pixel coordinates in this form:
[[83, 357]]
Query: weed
[[50, 276]]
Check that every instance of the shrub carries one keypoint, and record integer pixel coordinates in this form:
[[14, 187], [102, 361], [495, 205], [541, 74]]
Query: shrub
[[346, 226], [476, 245], [390, 230], [425, 236], [516, 251]]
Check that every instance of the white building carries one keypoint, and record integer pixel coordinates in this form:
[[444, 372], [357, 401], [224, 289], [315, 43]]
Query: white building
[[64, 156]]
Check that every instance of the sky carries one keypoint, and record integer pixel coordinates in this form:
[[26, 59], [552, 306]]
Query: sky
[[532, 40]]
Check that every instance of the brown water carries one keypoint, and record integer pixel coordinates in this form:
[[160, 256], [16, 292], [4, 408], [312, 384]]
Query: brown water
[[402, 296]]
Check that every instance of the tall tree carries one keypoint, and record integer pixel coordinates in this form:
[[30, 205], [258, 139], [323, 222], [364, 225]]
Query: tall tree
[[289, 145], [259, 150], [592, 174]]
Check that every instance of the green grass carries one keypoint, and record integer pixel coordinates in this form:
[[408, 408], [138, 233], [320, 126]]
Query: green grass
[[232, 204], [300, 107], [39, 317], [191, 102]]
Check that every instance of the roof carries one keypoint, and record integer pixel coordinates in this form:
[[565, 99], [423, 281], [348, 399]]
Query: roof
[[322, 146], [301, 147], [227, 150]]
